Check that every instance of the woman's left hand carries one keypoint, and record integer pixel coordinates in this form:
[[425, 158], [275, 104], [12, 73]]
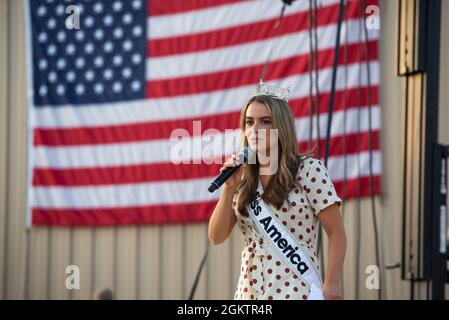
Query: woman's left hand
[[332, 291]]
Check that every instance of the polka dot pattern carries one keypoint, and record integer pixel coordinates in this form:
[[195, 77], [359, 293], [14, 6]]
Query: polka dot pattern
[[264, 275], [321, 192]]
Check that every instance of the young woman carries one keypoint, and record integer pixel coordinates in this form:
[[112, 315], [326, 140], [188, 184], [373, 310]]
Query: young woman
[[298, 192]]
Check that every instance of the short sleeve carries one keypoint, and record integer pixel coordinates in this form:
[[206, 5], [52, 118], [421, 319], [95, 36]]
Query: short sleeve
[[320, 190]]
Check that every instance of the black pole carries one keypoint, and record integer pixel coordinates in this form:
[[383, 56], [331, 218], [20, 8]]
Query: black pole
[[198, 273], [432, 189], [334, 79]]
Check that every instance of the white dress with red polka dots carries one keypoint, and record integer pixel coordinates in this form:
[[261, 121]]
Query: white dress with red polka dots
[[263, 273]]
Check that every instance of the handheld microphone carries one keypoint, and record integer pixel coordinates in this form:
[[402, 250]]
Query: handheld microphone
[[243, 156]]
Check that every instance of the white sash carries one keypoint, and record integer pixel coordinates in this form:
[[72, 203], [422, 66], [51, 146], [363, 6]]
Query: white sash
[[285, 244]]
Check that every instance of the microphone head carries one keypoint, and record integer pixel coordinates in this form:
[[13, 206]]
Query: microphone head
[[212, 187], [244, 155]]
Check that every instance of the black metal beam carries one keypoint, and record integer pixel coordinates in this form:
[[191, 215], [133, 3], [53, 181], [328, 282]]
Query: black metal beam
[[431, 190]]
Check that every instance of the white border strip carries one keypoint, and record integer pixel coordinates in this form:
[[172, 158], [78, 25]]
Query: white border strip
[[31, 115]]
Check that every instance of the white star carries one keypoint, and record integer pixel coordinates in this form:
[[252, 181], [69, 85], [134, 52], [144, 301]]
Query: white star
[[70, 76], [43, 64], [126, 73], [89, 47], [42, 37], [43, 90], [135, 85], [51, 50], [117, 6], [98, 88], [98, 7], [117, 87], [51, 23], [52, 77], [99, 34], [127, 45], [108, 46], [61, 64], [90, 75], [61, 36], [127, 18], [108, 20], [137, 31], [108, 74], [80, 62], [118, 33], [89, 21], [70, 49], [41, 11], [79, 89], [79, 35], [136, 58], [60, 89], [98, 61], [60, 10], [137, 4], [117, 60]]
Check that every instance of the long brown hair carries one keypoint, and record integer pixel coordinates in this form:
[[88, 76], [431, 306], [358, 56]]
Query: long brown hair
[[284, 178]]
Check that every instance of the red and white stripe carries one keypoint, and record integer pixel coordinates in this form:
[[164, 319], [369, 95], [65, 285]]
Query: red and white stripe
[[115, 164]]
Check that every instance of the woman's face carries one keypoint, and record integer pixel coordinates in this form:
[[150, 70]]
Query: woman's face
[[258, 123]]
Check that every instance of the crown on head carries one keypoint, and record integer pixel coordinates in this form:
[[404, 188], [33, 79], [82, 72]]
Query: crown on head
[[270, 90]]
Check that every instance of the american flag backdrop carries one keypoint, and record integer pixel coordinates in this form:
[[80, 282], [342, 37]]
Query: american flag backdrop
[[108, 96]]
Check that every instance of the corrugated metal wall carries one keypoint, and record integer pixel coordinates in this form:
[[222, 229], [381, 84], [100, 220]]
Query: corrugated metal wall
[[160, 262]]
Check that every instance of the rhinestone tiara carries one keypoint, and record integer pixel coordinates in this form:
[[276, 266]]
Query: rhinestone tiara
[[270, 90]]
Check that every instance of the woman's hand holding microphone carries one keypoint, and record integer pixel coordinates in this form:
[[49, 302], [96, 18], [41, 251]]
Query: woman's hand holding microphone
[[232, 183]]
